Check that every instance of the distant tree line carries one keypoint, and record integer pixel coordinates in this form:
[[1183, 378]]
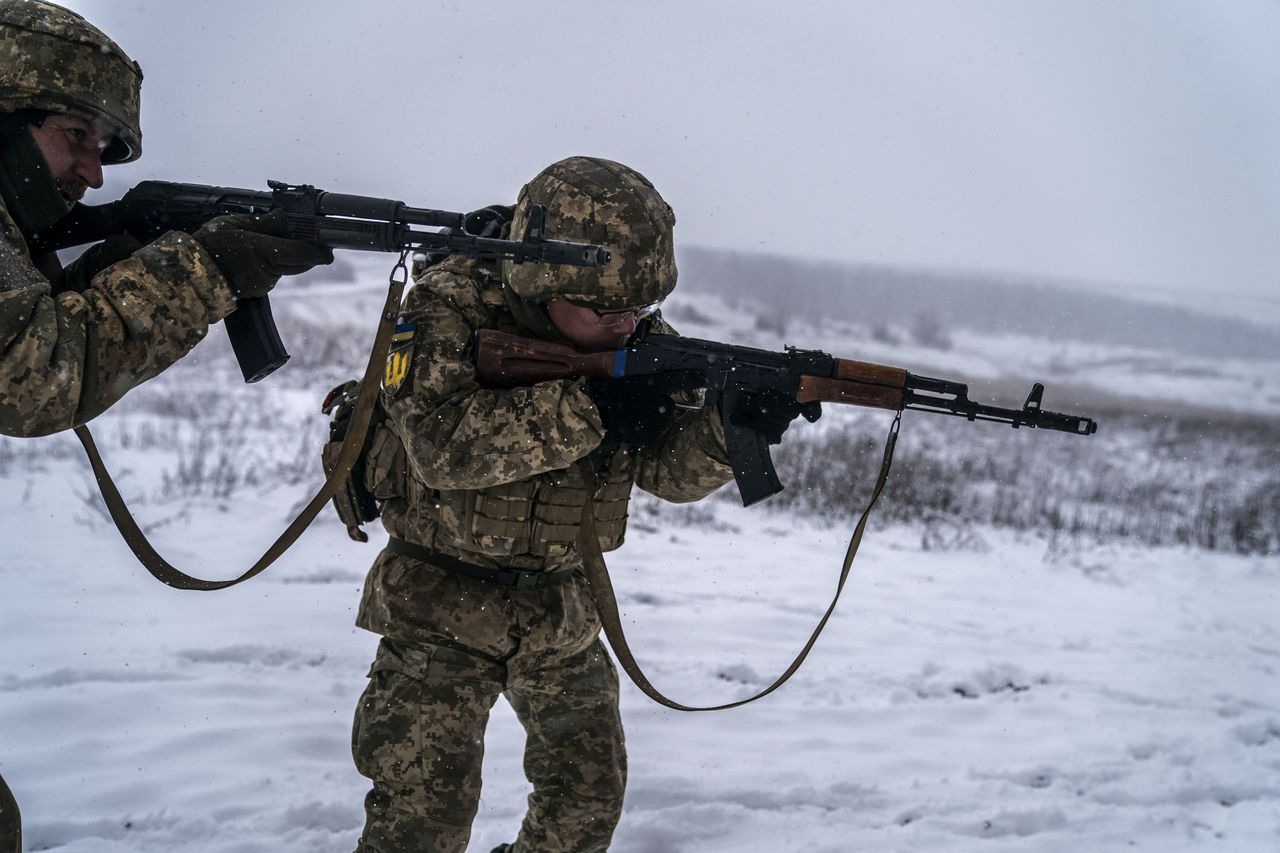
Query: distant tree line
[[929, 302]]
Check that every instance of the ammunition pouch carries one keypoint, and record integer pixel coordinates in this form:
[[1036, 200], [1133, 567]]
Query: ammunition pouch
[[537, 517]]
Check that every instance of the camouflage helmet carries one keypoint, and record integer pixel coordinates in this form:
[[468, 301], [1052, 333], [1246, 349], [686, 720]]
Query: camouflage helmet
[[591, 200], [53, 59]]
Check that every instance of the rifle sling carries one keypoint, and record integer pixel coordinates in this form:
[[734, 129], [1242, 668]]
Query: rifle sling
[[607, 605], [351, 447]]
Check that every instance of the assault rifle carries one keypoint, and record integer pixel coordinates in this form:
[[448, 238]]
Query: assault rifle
[[336, 220], [728, 372]]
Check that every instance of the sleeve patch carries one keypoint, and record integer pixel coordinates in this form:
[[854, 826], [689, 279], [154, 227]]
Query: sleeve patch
[[399, 359]]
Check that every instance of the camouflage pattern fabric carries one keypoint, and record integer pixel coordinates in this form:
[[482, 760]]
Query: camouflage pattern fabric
[[419, 728], [467, 446], [55, 60], [65, 359], [486, 480], [592, 200]]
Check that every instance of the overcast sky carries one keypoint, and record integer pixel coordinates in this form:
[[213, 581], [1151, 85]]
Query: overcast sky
[[1135, 142]]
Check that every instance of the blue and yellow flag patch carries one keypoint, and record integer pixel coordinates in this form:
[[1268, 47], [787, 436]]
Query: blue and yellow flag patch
[[399, 358]]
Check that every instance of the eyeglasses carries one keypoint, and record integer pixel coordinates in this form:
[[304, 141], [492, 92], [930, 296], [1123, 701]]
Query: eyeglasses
[[83, 141], [618, 318]]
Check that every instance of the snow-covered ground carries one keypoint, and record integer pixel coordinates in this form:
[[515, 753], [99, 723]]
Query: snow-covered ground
[[1115, 699], [1000, 695]]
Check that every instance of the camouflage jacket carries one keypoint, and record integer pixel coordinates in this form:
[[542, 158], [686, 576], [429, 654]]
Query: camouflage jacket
[[488, 476], [65, 359]]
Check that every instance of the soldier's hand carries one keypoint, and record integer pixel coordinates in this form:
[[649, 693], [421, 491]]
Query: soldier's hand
[[97, 258], [770, 413], [253, 253], [636, 411]]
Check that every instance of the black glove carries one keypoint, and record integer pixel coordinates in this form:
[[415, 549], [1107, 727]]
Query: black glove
[[769, 412], [485, 222], [636, 410], [253, 253], [488, 221], [95, 259]]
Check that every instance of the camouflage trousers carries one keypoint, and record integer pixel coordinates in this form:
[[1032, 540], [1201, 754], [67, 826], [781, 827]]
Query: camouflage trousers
[[419, 730]]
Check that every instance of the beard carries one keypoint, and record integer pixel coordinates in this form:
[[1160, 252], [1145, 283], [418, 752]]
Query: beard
[[72, 189]]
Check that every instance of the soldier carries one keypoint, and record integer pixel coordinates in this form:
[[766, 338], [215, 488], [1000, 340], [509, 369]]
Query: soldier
[[74, 341], [478, 592]]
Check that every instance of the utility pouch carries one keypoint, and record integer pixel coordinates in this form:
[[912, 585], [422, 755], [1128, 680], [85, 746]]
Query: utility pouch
[[354, 502], [386, 467]]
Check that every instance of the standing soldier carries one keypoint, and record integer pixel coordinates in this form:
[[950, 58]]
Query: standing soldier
[[479, 593], [74, 341]]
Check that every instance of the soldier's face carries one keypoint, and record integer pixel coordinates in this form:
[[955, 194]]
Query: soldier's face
[[72, 148], [589, 329]]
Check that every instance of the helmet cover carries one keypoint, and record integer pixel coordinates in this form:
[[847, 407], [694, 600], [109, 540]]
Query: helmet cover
[[53, 59], [592, 200]]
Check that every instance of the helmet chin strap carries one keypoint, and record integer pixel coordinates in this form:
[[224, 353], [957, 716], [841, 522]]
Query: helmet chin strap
[[27, 186], [531, 316]]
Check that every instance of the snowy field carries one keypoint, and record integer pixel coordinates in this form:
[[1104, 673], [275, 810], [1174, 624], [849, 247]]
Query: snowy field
[[1002, 693]]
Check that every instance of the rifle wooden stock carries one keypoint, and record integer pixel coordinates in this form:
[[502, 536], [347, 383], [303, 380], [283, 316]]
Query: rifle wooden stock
[[506, 361]]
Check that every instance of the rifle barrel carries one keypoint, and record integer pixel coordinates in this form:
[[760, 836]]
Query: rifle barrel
[[1029, 416]]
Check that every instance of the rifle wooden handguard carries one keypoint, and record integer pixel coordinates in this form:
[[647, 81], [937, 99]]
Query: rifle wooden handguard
[[857, 383]]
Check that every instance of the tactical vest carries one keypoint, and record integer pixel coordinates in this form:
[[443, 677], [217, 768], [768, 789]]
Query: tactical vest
[[534, 520]]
